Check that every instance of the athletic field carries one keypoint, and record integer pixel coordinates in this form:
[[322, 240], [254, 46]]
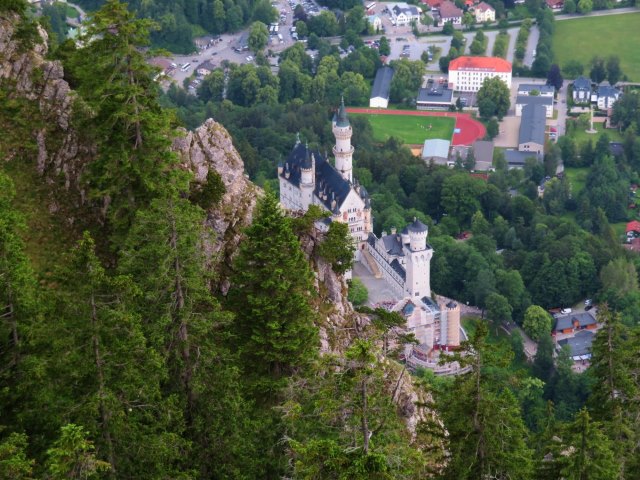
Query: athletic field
[[410, 129], [583, 38]]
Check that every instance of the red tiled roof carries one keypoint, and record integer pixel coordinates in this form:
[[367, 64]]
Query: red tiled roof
[[483, 7], [433, 3], [633, 226], [491, 64], [555, 3], [449, 10]]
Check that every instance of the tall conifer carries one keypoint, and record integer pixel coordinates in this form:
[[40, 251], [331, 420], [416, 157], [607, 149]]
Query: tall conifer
[[271, 295]]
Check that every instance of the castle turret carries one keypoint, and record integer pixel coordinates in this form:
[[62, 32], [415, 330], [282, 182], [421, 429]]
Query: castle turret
[[418, 261], [343, 150], [307, 178]]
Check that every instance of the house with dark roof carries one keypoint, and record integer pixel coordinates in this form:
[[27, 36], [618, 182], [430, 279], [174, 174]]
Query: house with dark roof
[[581, 90], [403, 14], [483, 153], [381, 88], [434, 97], [580, 345], [517, 159], [205, 68], [545, 101], [536, 89], [574, 322], [607, 96], [532, 128]]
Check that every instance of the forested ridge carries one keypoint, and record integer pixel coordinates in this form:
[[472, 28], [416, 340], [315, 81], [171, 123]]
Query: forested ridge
[[124, 352]]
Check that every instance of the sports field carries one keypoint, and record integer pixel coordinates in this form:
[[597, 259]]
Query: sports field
[[411, 129], [583, 38]]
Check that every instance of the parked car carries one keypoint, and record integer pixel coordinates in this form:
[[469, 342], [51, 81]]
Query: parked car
[[566, 311]]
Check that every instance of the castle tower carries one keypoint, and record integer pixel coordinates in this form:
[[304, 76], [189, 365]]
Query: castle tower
[[450, 324], [418, 261], [343, 150], [307, 178]]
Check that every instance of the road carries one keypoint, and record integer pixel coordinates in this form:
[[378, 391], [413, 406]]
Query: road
[[534, 36], [598, 13]]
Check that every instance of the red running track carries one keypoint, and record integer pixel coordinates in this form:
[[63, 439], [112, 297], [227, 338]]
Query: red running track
[[470, 129]]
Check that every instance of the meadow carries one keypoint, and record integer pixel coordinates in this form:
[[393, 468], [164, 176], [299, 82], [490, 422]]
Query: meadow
[[581, 39], [410, 129]]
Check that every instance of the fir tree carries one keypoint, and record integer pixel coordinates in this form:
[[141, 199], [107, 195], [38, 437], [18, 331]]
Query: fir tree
[[271, 295], [165, 255], [123, 117], [96, 369], [486, 431]]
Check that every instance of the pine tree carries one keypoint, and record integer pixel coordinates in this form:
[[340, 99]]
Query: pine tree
[[18, 301], [123, 116], [486, 431], [95, 369], [164, 254], [587, 453], [271, 295], [614, 395]]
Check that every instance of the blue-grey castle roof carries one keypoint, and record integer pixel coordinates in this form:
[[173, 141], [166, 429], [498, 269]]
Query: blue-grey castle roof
[[417, 226], [341, 118], [328, 181], [382, 83]]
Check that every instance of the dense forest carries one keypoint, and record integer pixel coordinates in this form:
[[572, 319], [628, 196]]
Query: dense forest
[[122, 355]]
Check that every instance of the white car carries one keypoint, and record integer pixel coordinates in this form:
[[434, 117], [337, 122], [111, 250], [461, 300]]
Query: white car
[[566, 311], [249, 58]]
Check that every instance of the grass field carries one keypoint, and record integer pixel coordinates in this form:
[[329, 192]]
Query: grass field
[[582, 38], [577, 178], [580, 135], [409, 128]]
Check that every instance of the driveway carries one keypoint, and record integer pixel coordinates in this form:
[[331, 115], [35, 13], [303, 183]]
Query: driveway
[[379, 290], [508, 136], [532, 43]]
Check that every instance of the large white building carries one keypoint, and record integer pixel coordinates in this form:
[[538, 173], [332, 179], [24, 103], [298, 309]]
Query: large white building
[[307, 178], [466, 74]]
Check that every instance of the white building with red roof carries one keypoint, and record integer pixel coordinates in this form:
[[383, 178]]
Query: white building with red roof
[[466, 74], [484, 13]]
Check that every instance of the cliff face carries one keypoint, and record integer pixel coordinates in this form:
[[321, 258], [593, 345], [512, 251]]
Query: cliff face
[[210, 148], [26, 75]]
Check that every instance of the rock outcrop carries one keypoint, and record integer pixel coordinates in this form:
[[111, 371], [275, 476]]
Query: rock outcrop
[[210, 148]]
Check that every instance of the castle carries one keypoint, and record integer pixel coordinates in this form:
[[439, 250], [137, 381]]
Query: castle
[[403, 260], [307, 178]]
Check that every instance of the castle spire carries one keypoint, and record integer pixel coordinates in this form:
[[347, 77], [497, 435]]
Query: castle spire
[[342, 120]]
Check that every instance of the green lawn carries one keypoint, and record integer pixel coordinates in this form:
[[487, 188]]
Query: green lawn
[[582, 38], [578, 178], [580, 135], [410, 129]]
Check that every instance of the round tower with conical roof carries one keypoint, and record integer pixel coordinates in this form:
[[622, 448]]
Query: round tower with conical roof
[[343, 150], [418, 260]]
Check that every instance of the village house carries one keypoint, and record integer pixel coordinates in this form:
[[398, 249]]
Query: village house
[[532, 128], [574, 322], [484, 13], [403, 14], [581, 90], [606, 96], [205, 68], [525, 89], [555, 5], [449, 13], [375, 21]]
